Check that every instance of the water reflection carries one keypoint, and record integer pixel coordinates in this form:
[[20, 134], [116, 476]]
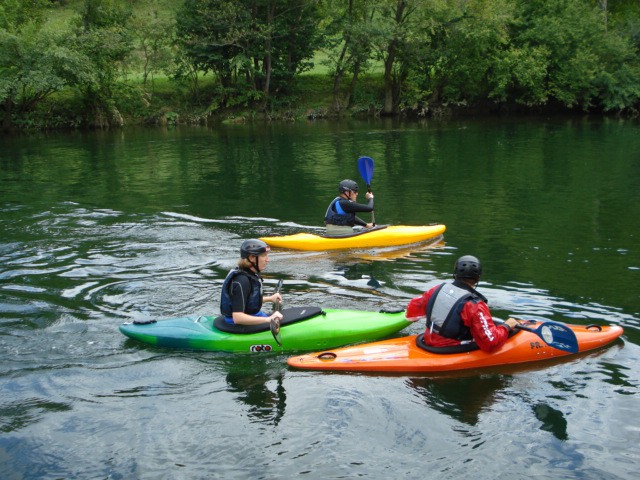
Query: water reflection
[[16, 415], [553, 420], [463, 399], [354, 275], [260, 388], [149, 223], [615, 375]]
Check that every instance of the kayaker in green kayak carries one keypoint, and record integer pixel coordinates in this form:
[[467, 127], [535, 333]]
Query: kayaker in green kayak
[[457, 314], [241, 297], [341, 215]]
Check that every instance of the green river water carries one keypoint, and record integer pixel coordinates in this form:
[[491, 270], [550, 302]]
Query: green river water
[[105, 227]]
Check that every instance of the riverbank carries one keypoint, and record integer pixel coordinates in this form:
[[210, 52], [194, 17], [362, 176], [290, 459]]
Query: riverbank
[[97, 64], [165, 102]]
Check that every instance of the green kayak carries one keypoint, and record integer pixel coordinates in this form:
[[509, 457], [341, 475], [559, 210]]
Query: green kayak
[[302, 328]]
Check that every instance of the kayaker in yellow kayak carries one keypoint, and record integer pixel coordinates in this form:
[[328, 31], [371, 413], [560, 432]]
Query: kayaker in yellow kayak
[[241, 297], [457, 313], [341, 215]]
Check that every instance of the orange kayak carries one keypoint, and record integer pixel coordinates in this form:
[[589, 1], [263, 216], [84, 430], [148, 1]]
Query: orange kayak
[[403, 355]]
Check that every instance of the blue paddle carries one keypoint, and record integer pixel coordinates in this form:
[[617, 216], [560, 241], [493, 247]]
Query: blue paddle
[[365, 166], [274, 325], [555, 334]]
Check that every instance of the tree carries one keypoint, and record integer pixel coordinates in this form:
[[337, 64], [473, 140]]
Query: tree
[[102, 34], [589, 62], [471, 60], [395, 39], [348, 45], [250, 45], [153, 40], [529, 52], [35, 62]]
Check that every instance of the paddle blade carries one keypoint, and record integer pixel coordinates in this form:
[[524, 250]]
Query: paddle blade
[[556, 335], [275, 331], [365, 165], [274, 325]]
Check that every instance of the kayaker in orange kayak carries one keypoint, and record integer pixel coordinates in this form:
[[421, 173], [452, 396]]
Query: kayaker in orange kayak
[[341, 215], [457, 313]]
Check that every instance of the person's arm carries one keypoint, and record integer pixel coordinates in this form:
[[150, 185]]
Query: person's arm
[[353, 207], [358, 221], [272, 298], [417, 307], [485, 332], [240, 290], [241, 318]]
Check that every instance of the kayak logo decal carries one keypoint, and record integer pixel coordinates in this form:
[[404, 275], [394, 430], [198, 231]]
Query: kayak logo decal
[[260, 348]]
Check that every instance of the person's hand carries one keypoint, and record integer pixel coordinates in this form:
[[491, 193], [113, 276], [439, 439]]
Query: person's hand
[[511, 323], [277, 316], [276, 297], [369, 225], [369, 195]]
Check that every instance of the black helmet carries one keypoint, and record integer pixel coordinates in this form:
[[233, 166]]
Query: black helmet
[[468, 266], [253, 246], [347, 185]]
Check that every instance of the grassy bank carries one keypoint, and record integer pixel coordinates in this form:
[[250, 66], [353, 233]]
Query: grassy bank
[[164, 99]]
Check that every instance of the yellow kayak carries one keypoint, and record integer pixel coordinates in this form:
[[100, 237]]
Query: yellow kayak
[[379, 236]]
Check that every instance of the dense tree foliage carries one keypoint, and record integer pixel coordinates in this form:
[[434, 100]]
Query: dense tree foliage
[[428, 55], [37, 60], [103, 36], [34, 61], [253, 47]]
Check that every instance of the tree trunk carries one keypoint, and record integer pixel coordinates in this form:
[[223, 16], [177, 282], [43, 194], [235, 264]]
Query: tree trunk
[[337, 79], [389, 98], [267, 57], [6, 119], [388, 80], [352, 85]]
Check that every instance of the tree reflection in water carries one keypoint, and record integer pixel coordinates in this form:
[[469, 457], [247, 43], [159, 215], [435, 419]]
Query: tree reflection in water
[[262, 392]]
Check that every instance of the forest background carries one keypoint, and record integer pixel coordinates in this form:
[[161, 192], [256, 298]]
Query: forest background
[[105, 63]]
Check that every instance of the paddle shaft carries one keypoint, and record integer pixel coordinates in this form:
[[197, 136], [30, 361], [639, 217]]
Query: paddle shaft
[[365, 166], [276, 304], [373, 218]]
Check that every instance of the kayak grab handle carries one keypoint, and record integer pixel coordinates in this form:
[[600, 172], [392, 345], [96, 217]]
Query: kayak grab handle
[[327, 356], [144, 322], [391, 310]]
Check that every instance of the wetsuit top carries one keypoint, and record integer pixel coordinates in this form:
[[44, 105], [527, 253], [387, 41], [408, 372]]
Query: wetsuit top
[[241, 292], [342, 211]]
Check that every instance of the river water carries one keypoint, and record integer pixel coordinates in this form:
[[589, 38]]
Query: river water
[[105, 227]]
